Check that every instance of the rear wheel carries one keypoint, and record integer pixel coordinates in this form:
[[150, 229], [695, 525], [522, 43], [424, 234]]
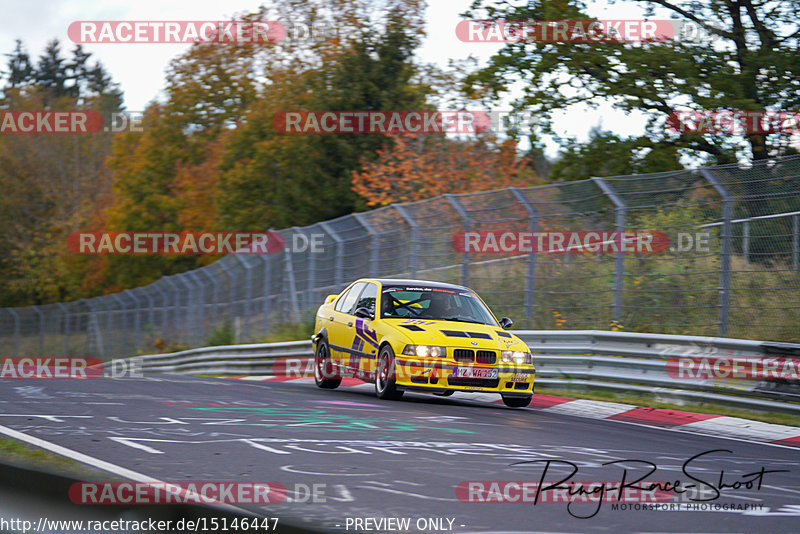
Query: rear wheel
[[324, 375], [385, 386], [516, 402]]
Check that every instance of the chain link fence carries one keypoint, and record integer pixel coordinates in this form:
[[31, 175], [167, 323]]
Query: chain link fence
[[731, 268]]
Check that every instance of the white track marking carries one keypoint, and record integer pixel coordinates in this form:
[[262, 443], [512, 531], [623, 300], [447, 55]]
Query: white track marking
[[99, 464], [78, 456], [590, 408], [743, 428]]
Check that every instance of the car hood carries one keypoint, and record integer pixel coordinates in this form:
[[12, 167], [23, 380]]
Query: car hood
[[457, 334]]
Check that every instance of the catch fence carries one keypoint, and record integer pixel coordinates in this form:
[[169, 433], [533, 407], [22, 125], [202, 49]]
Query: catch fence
[[731, 268]]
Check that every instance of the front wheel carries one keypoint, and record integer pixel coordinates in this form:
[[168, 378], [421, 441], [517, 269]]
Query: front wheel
[[324, 375], [385, 385], [516, 402]]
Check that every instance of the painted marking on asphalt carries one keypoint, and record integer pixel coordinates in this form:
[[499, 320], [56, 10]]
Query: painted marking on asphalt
[[77, 456], [53, 418], [99, 464], [789, 442], [349, 403], [589, 408], [672, 420], [293, 469], [135, 445], [743, 428], [661, 417]]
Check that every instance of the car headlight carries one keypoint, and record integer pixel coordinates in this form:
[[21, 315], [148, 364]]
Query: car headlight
[[512, 356], [425, 351]]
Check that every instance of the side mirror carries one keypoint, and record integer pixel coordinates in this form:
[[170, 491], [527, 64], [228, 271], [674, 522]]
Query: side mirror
[[330, 298], [363, 313], [506, 323]]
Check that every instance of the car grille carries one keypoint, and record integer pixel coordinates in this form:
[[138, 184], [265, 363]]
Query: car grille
[[521, 385], [463, 355], [477, 382], [486, 356]]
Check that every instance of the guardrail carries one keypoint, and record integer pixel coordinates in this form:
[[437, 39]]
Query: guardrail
[[564, 359]]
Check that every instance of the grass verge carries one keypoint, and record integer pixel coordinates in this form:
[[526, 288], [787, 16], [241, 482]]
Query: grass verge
[[21, 454]]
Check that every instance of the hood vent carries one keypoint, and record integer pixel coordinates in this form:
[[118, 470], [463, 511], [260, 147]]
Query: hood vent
[[473, 335]]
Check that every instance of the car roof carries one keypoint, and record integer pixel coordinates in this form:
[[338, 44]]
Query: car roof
[[413, 282]]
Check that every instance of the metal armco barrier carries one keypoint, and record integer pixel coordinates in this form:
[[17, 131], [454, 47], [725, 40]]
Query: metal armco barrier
[[254, 359], [571, 359]]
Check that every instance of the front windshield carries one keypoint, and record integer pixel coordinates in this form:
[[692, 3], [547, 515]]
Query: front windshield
[[433, 303]]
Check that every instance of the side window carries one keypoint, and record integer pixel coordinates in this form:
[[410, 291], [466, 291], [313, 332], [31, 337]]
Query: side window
[[346, 301], [367, 298], [341, 300]]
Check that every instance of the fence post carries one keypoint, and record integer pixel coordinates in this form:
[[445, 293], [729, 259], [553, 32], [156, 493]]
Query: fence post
[[746, 241], [266, 258], [109, 318], [231, 315], [339, 254], [725, 257], [530, 285], [188, 322], [41, 329], [247, 294], [375, 238], [212, 302], [795, 241], [175, 306], [619, 257], [65, 313], [164, 309], [123, 323], [15, 315], [181, 277], [137, 321], [93, 325], [467, 223], [311, 278], [412, 248], [306, 300], [294, 311], [198, 305], [151, 309]]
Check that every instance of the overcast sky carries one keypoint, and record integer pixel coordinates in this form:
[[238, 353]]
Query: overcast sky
[[140, 68]]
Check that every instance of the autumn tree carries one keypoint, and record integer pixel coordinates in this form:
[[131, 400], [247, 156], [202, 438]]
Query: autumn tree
[[52, 184], [209, 157], [273, 179], [416, 167]]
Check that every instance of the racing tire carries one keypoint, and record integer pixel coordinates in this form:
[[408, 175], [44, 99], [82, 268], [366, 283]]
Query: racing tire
[[385, 385], [324, 375], [516, 402]]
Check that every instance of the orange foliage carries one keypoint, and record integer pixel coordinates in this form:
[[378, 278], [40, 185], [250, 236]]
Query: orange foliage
[[196, 185], [424, 166]]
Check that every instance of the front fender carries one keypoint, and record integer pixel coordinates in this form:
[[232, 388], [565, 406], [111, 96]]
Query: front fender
[[321, 335]]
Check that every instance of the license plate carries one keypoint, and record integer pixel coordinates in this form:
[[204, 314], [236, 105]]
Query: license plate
[[475, 372]]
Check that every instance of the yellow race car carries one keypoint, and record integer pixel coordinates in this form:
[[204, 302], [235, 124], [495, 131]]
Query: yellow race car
[[417, 335]]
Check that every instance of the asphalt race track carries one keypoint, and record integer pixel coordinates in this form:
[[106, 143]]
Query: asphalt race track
[[345, 455]]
